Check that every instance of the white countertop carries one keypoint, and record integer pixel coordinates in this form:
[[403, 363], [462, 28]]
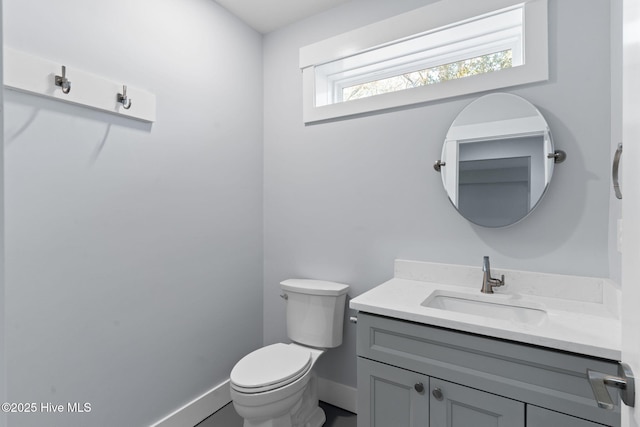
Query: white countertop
[[582, 313]]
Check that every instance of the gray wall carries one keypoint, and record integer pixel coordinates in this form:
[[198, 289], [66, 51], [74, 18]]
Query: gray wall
[[131, 248], [344, 199]]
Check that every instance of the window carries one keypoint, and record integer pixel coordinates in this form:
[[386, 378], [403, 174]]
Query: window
[[449, 48]]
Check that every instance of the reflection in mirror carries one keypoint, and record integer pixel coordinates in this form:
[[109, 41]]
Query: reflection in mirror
[[495, 160]]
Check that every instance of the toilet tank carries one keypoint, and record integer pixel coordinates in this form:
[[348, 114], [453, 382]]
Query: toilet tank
[[315, 311]]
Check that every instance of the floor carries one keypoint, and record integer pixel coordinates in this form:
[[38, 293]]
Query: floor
[[227, 417]]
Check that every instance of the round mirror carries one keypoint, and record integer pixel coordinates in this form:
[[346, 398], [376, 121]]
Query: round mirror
[[497, 160]]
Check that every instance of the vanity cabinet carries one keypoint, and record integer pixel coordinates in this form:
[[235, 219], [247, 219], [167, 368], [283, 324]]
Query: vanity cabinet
[[412, 375]]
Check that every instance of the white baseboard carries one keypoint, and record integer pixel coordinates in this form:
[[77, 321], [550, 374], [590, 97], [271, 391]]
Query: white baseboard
[[199, 408], [339, 395], [192, 413]]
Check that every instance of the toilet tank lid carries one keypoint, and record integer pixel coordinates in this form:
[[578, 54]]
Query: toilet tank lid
[[314, 287]]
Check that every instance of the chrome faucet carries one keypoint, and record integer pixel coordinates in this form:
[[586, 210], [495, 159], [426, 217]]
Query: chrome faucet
[[488, 282]]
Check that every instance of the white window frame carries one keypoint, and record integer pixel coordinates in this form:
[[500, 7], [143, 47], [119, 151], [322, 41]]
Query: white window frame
[[321, 91]]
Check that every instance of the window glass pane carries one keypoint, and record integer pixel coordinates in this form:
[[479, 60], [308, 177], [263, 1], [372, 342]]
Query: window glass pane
[[455, 70]]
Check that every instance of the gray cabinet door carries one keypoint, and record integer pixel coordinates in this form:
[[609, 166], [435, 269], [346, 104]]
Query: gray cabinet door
[[539, 417], [453, 405], [388, 396]]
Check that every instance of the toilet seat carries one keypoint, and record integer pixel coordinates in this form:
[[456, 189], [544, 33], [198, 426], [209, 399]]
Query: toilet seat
[[270, 367]]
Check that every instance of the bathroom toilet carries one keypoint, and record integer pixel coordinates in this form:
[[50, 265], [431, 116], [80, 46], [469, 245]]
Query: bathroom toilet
[[275, 386]]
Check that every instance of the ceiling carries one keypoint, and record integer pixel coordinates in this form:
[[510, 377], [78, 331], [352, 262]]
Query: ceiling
[[269, 15]]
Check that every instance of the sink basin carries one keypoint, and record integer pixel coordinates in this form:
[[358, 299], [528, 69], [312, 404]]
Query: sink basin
[[487, 306]]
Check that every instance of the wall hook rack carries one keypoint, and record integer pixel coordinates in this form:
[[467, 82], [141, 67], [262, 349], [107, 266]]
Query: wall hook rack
[[123, 99], [40, 76], [63, 82]]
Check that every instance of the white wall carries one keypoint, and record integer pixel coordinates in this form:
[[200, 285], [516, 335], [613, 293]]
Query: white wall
[[344, 199], [134, 251], [2, 269]]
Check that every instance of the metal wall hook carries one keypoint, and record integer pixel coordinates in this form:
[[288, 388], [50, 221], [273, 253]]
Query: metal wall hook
[[62, 81], [124, 99], [558, 156], [438, 165]]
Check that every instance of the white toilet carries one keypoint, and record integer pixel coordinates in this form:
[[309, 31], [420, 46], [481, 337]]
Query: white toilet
[[275, 386]]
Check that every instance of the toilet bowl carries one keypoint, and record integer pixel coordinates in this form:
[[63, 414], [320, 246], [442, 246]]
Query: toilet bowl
[[275, 386]]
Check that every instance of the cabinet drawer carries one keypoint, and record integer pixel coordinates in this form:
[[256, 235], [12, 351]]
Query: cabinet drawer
[[544, 377], [540, 417]]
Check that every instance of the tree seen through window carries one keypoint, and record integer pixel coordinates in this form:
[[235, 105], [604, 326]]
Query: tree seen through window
[[455, 70]]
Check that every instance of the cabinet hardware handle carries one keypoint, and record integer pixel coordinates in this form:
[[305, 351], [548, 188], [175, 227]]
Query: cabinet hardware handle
[[419, 387], [353, 319], [615, 170], [624, 381], [437, 393]]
